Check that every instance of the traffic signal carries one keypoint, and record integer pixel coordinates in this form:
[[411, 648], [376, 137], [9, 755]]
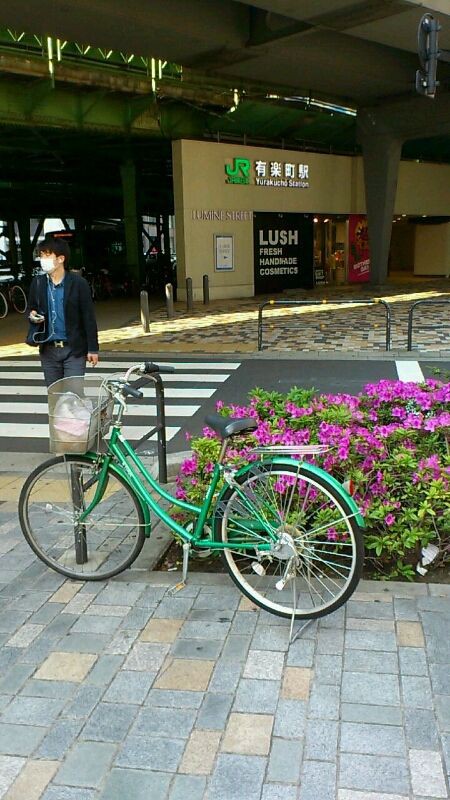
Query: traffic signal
[[427, 42]]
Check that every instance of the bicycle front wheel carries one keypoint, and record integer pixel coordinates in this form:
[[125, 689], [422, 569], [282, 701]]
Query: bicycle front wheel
[[18, 299], [316, 555], [105, 543], [3, 306]]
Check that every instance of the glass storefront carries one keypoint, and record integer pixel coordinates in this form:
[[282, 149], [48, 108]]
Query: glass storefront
[[330, 249]]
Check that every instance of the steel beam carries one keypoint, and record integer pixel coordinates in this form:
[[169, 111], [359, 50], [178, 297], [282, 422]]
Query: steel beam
[[69, 108], [132, 221]]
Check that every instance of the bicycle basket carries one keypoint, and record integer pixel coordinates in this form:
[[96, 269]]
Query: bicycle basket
[[80, 412]]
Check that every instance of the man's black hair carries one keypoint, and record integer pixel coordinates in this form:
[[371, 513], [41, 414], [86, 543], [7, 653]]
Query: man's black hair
[[57, 246]]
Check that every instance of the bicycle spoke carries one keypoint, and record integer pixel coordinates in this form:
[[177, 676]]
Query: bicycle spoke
[[100, 545], [307, 518]]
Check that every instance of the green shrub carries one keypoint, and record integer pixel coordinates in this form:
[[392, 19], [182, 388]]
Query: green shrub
[[391, 441]]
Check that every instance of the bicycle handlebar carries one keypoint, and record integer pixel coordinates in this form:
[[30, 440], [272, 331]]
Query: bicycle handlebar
[[129, 390], [150, 367], [147, 368]]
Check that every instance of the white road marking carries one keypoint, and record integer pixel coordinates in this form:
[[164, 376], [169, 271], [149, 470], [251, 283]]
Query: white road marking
[[409, 371], [36, 430], [94, 375], [106, 366], [137, 410], [23, 393], [29, 391]]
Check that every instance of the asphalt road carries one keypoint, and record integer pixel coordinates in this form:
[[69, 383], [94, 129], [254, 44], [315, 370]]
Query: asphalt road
[[191, 393], [281, 375]]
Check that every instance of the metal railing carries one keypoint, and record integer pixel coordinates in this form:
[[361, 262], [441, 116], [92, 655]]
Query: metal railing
[[411, 312], [160, 427], [375, 301]]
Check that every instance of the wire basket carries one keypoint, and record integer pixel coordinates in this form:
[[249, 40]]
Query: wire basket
[[80, 411]]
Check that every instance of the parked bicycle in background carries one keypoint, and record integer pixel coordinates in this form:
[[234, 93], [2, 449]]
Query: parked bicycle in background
[[12, 295]]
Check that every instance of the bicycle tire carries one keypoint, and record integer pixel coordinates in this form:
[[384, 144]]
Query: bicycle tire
[[3, 306], [18, 299], [42, 519], [312, 512]]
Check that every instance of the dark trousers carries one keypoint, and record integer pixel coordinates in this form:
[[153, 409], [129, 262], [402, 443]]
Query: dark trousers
[[59, 362]]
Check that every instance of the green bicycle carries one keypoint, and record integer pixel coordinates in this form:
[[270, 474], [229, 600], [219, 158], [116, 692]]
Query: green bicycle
[[289, 533]]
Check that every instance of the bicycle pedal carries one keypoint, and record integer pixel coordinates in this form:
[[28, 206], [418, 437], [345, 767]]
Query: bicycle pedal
[[177, 588]]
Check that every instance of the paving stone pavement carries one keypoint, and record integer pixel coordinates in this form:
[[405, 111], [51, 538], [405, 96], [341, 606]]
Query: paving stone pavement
[[115, 690], [332, 325]]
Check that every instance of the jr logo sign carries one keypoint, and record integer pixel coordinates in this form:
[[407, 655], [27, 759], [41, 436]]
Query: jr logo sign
[[239, 171]]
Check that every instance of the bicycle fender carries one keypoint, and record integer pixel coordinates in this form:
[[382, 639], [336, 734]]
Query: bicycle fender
[[317, 472], [117, 469]]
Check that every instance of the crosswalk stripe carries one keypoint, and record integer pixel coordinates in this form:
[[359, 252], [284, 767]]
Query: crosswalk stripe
[[409, 371], [132, 410], [40, 430], [105, 365], [41, 391], [172, 378], [24, 410]]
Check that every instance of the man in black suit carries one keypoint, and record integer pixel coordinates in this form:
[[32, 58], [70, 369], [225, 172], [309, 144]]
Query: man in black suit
[[62, 315]]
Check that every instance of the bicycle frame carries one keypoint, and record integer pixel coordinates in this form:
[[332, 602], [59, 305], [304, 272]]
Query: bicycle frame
[[117, 458]]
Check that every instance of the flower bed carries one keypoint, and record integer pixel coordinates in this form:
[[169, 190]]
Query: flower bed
[[391, 441]]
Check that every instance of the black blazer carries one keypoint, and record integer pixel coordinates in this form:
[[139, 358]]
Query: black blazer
[[81, 327]]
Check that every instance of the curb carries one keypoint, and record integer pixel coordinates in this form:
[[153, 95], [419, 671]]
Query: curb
[[267, 354], [299, 355]]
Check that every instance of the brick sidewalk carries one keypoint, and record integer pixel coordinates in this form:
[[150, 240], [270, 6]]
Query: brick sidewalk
[[116, 690], [231, 326]]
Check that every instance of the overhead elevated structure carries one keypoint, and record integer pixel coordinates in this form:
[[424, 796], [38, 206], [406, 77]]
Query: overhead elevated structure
[[296, 55]]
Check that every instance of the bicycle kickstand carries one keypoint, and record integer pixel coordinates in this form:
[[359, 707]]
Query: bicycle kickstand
[[179, 586], [293, 637]]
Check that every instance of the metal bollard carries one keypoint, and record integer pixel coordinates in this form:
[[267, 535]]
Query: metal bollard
[[205, 290], [189, 295], [145, 313], [169, 301]]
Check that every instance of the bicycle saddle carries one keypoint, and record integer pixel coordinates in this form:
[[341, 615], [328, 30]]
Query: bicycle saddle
[[226, 427]]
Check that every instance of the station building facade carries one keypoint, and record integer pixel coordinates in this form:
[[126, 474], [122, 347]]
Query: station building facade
[[258, 220]]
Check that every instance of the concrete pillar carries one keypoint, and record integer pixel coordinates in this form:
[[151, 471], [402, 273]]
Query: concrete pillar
[[132, 222], [381, 157]]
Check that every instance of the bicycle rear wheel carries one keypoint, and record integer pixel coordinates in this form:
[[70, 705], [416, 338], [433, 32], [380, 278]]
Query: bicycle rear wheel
[[3, 306], [106, 543], [18, 299], [317, 554]]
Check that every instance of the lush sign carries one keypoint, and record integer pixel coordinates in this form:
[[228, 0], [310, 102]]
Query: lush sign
[[283, 251], [282, 174]]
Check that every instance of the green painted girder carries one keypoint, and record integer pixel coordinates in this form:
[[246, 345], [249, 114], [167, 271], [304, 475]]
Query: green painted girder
[[22, 42], [38, 103]]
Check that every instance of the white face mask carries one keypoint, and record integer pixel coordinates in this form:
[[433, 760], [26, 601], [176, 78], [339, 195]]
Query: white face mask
[[47, 264]]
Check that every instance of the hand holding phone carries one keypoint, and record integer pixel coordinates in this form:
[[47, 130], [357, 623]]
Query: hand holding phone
[[35, 317]]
